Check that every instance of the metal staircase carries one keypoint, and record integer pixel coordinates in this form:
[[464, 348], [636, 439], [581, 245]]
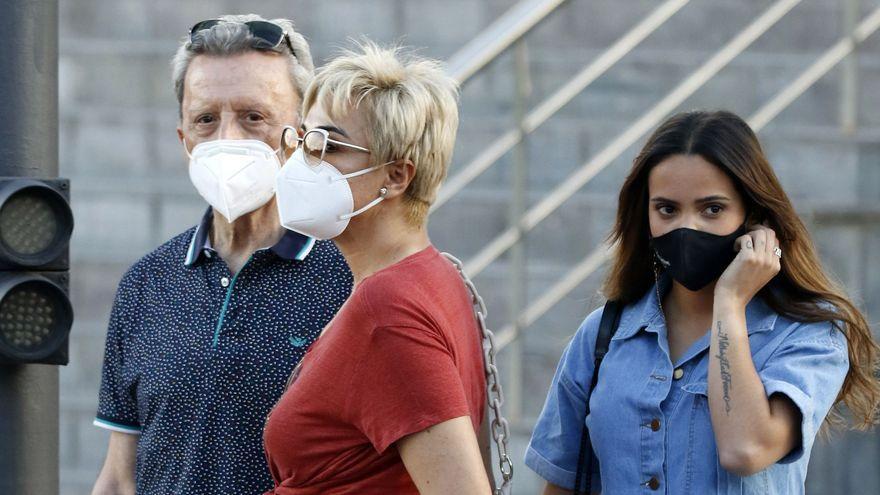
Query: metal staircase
[[510, 34]]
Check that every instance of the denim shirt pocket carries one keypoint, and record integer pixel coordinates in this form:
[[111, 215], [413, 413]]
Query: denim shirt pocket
[[704, 468]]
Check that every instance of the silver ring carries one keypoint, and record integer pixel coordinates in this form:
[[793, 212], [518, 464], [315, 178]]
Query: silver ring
[[778, 252]]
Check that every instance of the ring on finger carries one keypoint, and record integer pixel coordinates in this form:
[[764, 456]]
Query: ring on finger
[[778, 252]]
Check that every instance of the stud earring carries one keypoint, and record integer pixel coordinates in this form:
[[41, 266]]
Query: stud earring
[[383, 192]]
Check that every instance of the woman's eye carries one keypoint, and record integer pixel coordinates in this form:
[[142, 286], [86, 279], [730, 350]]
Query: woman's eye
[[714, 209], [666, 210]]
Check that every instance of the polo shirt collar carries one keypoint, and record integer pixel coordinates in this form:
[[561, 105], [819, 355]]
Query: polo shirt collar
[[291, 246], [646, 313]]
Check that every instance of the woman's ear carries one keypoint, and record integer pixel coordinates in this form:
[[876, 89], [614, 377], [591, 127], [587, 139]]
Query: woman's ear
[[398, 175]]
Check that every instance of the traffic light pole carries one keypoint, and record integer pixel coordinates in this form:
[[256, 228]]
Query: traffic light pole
[[29, 148]]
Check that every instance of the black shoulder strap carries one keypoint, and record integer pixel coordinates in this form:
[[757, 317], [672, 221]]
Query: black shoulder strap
[[607, 327]]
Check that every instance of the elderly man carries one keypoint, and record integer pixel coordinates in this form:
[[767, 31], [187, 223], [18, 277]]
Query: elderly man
[[206, 329]]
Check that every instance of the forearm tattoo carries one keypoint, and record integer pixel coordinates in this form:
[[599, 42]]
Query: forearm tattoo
[[724, 365]]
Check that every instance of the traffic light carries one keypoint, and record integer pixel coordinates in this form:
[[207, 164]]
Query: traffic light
[[35, 311]]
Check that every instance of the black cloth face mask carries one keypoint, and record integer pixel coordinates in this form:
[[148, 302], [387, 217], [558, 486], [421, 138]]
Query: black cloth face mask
[[693, 258]]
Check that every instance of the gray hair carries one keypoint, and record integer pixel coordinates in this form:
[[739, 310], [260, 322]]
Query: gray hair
[[232, 37]]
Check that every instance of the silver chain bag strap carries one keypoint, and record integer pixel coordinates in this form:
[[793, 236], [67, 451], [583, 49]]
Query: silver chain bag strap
[[500, 428]]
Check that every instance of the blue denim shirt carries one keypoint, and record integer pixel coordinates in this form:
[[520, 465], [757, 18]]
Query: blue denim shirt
[[638, 384]]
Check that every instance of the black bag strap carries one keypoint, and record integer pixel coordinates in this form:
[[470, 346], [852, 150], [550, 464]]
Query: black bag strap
[[607, 327]]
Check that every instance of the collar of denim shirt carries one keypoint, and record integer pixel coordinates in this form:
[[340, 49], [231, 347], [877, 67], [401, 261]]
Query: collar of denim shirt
[[645, 314]]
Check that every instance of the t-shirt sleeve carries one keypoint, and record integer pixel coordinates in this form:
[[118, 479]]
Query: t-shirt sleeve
[[413, 384], [555, 443], [117, 405], [810, 371]]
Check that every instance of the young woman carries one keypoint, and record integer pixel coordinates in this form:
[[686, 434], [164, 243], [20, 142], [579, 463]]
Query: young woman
[[733, 345], [389, 398]]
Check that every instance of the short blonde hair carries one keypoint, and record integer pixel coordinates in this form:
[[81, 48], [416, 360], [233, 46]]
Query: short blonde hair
[[409, 105]]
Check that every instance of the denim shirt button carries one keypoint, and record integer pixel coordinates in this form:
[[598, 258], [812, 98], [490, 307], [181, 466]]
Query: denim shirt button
[[653, 483], [655, 424], [677, 374]]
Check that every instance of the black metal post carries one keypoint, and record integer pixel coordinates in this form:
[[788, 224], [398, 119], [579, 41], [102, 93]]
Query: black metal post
[[29, 148]]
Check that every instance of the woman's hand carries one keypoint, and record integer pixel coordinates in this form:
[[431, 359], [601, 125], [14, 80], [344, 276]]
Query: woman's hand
[[751, 430], [755, 265]]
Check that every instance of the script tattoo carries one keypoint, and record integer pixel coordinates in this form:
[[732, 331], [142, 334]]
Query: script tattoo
[[724, 363]]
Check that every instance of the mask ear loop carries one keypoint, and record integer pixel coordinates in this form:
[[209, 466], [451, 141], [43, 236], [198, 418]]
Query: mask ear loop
[[186, 150], [362, 172], [382, 193]]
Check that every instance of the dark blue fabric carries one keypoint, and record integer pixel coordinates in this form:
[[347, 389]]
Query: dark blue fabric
[[196, 356]]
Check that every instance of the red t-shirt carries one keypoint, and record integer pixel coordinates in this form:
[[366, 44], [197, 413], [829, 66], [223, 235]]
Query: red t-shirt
[[403, 354]]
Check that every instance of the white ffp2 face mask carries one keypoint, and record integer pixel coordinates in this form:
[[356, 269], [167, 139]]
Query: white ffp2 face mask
[[235, 176], [316, 200]]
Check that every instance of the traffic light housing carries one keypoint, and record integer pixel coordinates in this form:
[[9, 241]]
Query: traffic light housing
[[36, 223]]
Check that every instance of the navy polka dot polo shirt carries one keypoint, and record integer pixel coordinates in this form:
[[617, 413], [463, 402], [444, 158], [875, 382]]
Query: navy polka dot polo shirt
[[197, 356]]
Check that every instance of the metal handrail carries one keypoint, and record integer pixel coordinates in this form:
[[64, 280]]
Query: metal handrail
[[499, 36], [557, 100], [619, 145], [814, 72], [757, 121]]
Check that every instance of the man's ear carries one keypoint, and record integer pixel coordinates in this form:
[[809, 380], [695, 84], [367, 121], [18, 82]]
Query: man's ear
[[398, 176], [186, 146]]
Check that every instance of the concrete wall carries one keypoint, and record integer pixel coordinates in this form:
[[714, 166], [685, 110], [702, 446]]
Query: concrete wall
[[131, 191]]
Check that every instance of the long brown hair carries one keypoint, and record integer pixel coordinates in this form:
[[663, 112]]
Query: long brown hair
[[801, 290]]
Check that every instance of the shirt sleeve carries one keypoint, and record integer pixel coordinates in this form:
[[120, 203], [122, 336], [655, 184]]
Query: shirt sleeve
[[555, 443], [117, 404], [406, 383], [809, 370]]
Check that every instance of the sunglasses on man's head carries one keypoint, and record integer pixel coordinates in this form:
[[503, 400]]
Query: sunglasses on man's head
[[268, 32]]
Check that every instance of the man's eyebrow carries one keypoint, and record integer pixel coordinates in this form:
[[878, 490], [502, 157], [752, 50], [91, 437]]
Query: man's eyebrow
[[196, 105]]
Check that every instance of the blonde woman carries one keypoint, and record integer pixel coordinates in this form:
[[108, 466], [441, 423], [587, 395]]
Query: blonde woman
[[389, 398]]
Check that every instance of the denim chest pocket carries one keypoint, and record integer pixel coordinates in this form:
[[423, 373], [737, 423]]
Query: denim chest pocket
[[704, 470]]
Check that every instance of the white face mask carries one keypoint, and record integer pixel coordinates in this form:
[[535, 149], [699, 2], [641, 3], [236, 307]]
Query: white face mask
[[235, 176], [316, 200]]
